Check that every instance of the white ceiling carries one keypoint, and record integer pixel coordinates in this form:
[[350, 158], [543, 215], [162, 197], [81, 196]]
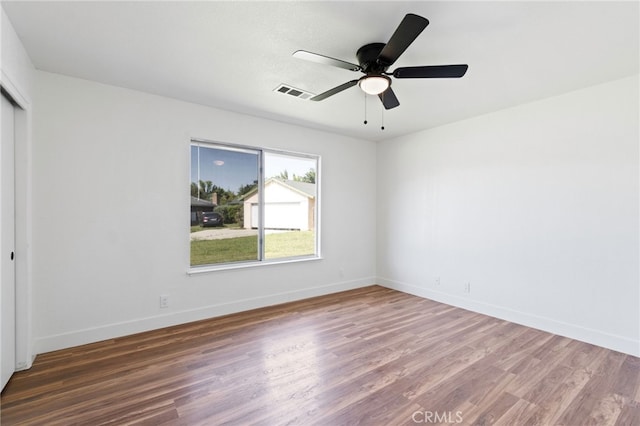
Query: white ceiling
[[232, 55]]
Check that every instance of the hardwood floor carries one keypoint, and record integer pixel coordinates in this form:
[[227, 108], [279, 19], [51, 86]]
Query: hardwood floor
[[370, 356]]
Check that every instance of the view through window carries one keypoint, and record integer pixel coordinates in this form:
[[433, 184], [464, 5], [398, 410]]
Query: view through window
[[242, 211]]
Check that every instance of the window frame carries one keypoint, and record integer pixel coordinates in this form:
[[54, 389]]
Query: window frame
[[261, 260]]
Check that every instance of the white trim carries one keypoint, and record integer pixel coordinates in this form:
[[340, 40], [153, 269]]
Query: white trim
[[573, 331], [14, 91], [194, 270], [25, 353], [111, 331]]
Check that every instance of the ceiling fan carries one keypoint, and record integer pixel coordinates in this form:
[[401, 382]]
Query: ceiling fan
[[375, 58]]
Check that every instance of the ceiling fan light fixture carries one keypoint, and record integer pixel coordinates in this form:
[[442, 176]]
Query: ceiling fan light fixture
[[374, 84]]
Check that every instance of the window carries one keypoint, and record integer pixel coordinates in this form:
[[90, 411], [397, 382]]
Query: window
[[251, 205]]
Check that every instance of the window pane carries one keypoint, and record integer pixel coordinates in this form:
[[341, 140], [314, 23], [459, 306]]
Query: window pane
[[220, 176], [289, 205]]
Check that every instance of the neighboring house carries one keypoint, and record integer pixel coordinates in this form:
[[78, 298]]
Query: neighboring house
[[198, 206], [288, 204]]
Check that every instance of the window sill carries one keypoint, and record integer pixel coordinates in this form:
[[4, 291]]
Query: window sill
[[244, 265]]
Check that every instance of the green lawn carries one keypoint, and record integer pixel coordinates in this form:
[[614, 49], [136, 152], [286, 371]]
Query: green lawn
[[196, 228], [205, 252], [286, 244]]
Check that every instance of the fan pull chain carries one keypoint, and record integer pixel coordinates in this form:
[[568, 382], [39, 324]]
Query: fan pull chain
[[382, 119], [365, 108]]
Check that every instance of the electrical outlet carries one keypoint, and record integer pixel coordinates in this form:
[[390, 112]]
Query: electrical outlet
[[164, 301], [467, 287]]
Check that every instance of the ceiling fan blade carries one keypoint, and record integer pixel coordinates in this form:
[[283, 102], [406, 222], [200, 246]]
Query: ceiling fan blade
[[410, 27], [335, 90], [388, 98], [432, 71], [321, 59]]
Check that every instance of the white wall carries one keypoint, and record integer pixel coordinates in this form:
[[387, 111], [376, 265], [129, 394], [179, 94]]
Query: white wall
[[16, 66], [535, 206], [16, 77], [111, 221]]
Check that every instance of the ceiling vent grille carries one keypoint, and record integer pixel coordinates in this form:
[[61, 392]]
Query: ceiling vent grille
[[292, 91]]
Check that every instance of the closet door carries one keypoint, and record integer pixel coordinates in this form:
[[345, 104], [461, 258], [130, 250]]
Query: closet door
[[7, 244]]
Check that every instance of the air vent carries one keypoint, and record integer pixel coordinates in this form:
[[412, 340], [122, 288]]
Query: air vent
[[292, 91]]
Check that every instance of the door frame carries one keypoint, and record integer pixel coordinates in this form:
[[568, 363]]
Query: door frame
[[23, 115]]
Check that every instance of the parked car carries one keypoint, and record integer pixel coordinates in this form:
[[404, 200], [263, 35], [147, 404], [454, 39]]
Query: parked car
[[211, 219]]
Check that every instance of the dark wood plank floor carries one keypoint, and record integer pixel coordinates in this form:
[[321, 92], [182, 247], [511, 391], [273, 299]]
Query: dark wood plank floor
[[371, 356]]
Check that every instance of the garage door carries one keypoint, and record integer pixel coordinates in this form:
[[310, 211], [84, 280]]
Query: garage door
[[279, 216]]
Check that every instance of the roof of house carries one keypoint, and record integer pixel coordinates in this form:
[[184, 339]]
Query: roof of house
[[197, 202], [305, 188], [308, 189]]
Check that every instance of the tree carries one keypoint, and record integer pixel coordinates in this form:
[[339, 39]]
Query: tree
[[202, 189], [247, 188], [224, 195], [284, 175], [309, 177], [205, 189]]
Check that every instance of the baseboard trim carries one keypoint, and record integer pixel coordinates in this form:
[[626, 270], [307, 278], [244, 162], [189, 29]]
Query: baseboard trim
[[115, 330], [573, 331]]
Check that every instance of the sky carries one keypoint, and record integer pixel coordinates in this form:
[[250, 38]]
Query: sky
[[274, 164], [231, 169]]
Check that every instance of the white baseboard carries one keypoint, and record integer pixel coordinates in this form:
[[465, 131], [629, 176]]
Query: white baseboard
[[573, 331], [111, 331]]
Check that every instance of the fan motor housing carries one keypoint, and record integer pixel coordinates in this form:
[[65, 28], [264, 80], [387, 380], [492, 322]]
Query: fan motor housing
[[368, 58]]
